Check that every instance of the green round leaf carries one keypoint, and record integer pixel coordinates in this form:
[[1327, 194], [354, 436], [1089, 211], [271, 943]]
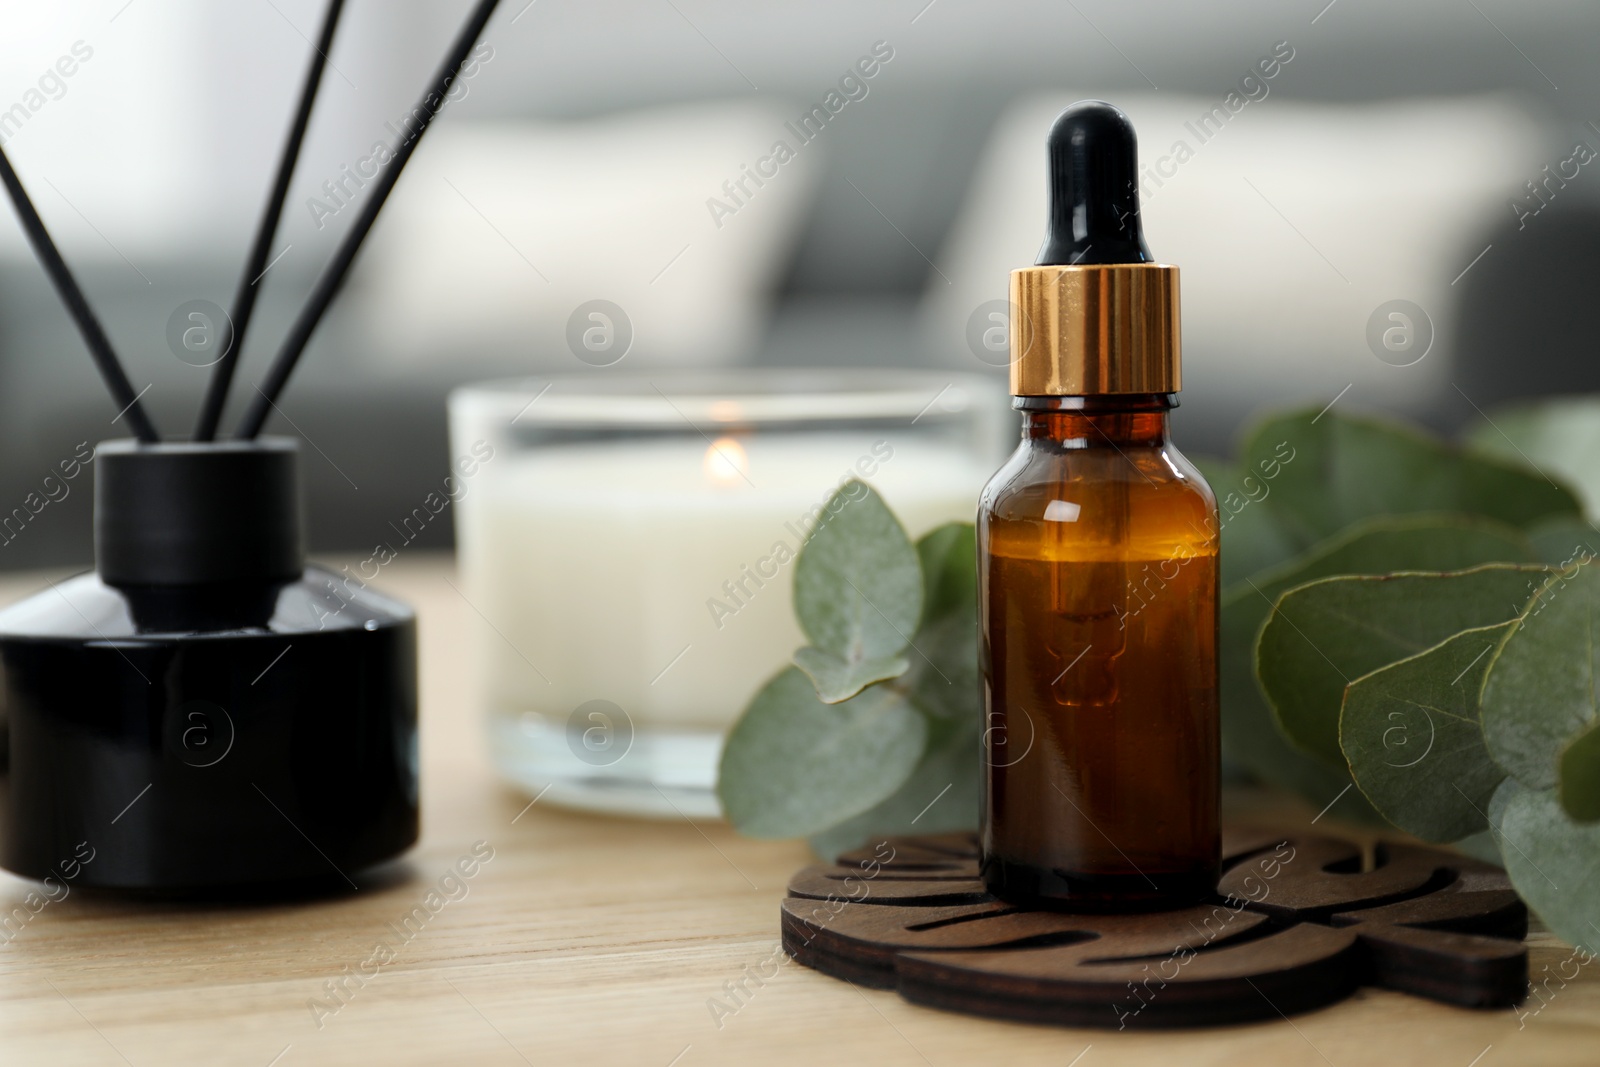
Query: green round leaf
[[1336, 470], [1410, 732], [949, 558], [1554, 863], [1323, 635], [1252, 539], [1541, 690], [858, 582], [941, 797], [1249, 730], [944, 679], [1578, 783], [1482, 846], [838, 679], [1301, 502], [1560, 435], [1564, 542], [794, 766]]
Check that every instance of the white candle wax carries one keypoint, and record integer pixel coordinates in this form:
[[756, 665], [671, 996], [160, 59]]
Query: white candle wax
[[657, 574]]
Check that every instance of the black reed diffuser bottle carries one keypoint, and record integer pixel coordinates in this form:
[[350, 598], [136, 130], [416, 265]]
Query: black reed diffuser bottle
[[204, 711], [205, 714]]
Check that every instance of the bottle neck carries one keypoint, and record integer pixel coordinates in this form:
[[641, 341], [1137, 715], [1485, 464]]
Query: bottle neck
[[1124, 419]]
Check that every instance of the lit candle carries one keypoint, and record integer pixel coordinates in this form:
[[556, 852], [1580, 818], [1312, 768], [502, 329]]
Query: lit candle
[[654, 573]]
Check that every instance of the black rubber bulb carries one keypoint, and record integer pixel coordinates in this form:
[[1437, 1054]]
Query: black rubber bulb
[[1094, 188]]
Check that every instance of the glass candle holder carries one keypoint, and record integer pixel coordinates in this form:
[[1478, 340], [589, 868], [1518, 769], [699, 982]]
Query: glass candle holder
[[627, 546]]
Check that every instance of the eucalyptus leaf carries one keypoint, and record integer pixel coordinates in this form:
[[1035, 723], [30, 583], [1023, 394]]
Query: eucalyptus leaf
[[949, 558], [794, 766], [1510, 491], [1483, 847], [941, 797], [1389, 544], [944, 678], [1337, 470], [1302, 504], [1541, 689], [1251, 537], [1578, 777], [839, 679], [1554, 863], [858, 582], [1560, 436], [1411, 735], [1215, 470], [1377, 546], [1563, 542], [1323, 635]]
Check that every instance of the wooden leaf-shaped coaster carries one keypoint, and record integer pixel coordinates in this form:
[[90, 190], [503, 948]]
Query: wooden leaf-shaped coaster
[[1297, 924]]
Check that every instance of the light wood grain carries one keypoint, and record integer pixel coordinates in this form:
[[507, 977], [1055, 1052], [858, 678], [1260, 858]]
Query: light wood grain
[[597, 941]]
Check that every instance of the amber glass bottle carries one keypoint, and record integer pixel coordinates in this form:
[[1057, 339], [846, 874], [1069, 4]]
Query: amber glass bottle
[[1098, 570]]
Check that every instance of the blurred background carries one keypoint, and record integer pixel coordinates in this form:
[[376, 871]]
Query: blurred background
[[1308, 165]]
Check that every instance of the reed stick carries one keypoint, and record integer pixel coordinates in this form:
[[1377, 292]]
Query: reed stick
[[94, 335], [328, 285], [244, 300]]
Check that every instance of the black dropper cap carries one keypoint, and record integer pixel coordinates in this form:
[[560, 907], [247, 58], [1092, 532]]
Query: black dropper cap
[[197, 513], [1094, 189]]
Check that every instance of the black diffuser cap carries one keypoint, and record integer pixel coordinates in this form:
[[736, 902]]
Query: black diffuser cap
[[190, 514], [1094, 189]]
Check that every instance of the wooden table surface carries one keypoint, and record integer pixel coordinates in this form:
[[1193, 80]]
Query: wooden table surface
[[596, 941]]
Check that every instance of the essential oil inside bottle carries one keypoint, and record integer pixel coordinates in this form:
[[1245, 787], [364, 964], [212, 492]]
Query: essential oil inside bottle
[[1098, 570]]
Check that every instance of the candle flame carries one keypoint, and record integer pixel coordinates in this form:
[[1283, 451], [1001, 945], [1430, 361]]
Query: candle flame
[[726, 462]]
